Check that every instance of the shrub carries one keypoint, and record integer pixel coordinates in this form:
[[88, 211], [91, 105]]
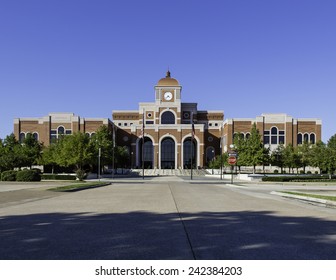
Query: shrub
[[58, 177], [80, 174], [9, 175], [309, 172], [27, 175], [302, 172], [311, 178], [276, 171]]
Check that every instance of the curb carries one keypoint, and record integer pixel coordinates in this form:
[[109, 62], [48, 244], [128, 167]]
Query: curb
[[83, 188], [326, 203]]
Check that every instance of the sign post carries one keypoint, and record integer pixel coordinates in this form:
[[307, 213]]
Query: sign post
[[232, 161]]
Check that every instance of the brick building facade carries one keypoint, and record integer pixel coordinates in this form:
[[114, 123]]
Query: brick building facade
[[168, 130], [275, 129], [169, 141], [48, 128]]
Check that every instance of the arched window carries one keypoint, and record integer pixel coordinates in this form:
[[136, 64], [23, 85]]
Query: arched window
[[312, 138], [22, 136], [168, 117], [247, 135], [210, 154], [189, 153], [148, 149], [35, 135], [168, 154], [306, 137], [299, 138], [274, 135], [60, 130]]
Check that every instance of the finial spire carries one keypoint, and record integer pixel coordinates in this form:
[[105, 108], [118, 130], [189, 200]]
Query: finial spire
[[168, 73]]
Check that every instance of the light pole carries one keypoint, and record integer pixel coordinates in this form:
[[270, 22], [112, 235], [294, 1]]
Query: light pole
[[221, 159], [99, 155], [213, 160]]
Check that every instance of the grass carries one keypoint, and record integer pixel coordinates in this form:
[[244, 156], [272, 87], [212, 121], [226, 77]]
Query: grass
[[326, 197], [79, 186]]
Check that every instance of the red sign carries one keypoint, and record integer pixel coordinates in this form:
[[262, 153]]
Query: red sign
[[232, 160]]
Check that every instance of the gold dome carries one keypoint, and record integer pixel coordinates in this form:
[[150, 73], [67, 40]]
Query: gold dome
[[168, 81]]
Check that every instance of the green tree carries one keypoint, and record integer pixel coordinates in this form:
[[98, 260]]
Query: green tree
[[219, 161], [330, 156], [121, 156], [304, 155], [240, 147], [277, 157], [323, 156], [103, 140], [317, 156], [30, 151], [49, 155], [10, 155], [290, 157], [75, 149], [254, 149]]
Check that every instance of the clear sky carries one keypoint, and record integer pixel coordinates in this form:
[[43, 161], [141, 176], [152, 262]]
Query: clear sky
[[246, 57]]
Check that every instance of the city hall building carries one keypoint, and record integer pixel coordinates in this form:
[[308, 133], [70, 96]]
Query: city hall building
[[169, 141], [173, 134]]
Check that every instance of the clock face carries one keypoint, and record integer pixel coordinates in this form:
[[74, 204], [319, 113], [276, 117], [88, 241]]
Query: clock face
[[168, 95]]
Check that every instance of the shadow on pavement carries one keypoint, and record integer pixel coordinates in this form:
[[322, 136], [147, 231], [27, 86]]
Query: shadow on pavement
[[144, 235]]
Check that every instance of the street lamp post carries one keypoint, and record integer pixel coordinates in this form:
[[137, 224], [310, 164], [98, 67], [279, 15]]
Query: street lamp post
[[213, 160], [99, 155], [221, 159]]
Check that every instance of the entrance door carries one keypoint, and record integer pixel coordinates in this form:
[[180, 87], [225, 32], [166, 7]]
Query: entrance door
[[167, 154]]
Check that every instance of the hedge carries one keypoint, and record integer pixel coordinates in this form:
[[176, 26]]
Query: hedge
[[58, 177], [27, 175], [9, 175], [296, 179]]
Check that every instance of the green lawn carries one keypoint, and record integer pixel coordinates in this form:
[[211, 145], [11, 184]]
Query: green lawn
[[326, 197], [79, 186]]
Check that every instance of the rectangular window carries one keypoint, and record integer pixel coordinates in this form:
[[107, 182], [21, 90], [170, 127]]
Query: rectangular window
[[281, 139], [266, 139], [68, 132], [266, 132], [149, 122], [281, 132], [274, 139], [53, 139]]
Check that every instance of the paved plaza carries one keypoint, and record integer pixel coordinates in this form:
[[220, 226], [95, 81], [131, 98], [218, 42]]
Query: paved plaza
[[164, 218]]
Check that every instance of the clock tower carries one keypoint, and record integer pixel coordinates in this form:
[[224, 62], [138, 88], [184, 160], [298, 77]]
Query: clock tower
[[168, 92]]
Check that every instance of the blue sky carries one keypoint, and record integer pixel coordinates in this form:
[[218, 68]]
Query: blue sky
[[246, 57]]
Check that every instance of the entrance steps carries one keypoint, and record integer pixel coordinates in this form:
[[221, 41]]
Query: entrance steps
[[170, 172]]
